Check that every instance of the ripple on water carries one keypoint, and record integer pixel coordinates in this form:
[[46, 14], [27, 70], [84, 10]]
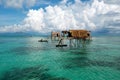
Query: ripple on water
[[86, 62], [78, 53], [27, 50], [1, 52], [31, 73], [3, 41]]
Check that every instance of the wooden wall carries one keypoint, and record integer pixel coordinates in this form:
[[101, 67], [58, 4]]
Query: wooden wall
[[83, 34]]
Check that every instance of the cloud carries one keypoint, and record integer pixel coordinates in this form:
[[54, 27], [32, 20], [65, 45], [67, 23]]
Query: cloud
[[112, 1], [13, 28], [18, 3], [14, 3], [64, 1], [23, 3], [35, 20], [30, 3], [64, 16]]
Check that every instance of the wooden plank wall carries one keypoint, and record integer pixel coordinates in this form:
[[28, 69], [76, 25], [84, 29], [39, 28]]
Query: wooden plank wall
[[83, 34]]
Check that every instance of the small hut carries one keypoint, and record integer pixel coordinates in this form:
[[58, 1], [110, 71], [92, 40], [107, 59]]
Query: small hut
[[74, 36], [55, 35]]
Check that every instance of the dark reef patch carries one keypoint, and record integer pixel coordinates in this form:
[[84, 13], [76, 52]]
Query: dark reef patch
[[117, 63], [36, 73], [58, 78], [85, 62], [78, 52]]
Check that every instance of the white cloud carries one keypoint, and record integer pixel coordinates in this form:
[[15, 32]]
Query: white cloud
[[30, 3], [14, 3], [95, 16], [18, 3], [23, 3], [13, 28], [112, 1], [35, 20], [64, 1]]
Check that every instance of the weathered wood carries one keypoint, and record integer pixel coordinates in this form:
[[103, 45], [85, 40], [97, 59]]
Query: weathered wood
[[55, 35], [80, 34]]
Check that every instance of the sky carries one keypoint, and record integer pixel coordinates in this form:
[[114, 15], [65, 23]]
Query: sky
[[44, 16]]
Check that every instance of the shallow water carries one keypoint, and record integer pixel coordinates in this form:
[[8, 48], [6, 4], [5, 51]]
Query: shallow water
[[24, 58]]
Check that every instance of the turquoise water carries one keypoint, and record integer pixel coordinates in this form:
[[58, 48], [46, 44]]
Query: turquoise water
[[24, 58]]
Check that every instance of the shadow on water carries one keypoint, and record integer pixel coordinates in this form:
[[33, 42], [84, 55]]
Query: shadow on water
[[31, 73]]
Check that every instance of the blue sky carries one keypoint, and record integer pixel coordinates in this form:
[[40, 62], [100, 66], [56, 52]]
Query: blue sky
[[14, 15], [94, 15], [10, 16]]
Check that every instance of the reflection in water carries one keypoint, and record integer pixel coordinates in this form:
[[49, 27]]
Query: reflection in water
[[76, 43]]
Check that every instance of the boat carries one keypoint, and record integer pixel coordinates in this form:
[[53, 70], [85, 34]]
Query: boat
[[42, 40], [64, 45]]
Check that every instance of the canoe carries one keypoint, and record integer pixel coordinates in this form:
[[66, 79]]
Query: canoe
[[42, 40], [64, 45]]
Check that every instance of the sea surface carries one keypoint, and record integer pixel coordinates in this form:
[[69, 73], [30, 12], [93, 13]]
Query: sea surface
[[24, 58]]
